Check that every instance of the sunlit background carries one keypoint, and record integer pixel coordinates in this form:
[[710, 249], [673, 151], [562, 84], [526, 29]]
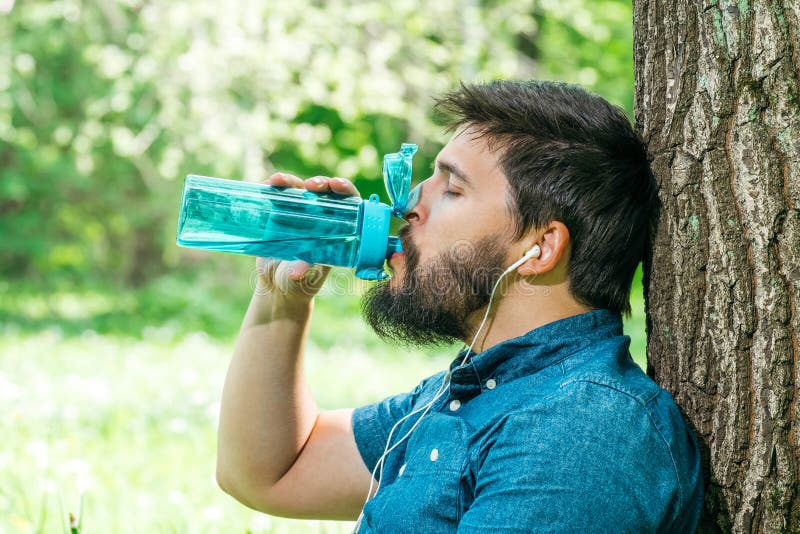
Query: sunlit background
[[113, 341]]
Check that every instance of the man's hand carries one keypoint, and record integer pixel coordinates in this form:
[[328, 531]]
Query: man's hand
[[298, 280]]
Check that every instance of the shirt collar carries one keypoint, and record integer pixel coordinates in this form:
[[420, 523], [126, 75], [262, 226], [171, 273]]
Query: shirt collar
[[527, 354]]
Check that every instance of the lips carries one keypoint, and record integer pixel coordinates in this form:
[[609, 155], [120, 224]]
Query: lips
[[393, 262]]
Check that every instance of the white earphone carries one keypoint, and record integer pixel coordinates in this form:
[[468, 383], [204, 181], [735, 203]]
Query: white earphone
[[534, 252]]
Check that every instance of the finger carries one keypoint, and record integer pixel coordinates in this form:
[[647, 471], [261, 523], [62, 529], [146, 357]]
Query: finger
[[264, 265], [343, 186], [282, 279], [318, 184], [282, 179], [265, 268], [314, 278], [295, 270]]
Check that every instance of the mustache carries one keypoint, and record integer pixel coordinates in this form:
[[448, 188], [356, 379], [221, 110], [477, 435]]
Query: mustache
[[412, 253], [404, 234]]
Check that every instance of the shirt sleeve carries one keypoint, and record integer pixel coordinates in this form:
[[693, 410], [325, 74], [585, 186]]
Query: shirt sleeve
[[568, 467], [373, 422]]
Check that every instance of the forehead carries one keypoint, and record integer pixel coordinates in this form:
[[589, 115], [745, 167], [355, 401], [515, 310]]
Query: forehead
[[470, 154]]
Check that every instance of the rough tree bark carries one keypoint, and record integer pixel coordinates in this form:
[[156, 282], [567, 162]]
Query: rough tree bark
[[718, 102]]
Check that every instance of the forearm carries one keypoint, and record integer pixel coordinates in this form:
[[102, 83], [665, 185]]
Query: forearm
[[267, 412]]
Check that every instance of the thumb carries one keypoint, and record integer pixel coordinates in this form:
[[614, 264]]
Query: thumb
[[300, 277], [314, 278]]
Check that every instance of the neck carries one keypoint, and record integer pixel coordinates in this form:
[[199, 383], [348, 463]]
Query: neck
[[515, 312]]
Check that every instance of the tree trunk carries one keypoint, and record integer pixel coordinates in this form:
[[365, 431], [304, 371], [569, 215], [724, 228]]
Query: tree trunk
[[718, 103]]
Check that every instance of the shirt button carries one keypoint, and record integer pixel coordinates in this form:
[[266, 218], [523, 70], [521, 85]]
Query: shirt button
[[434, 455], [402, 468], [491, 384], [455, 405]]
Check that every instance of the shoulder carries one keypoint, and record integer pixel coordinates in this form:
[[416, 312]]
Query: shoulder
[[613, 443], [582, 408], [373, 423], [390, 409], [598, 415]]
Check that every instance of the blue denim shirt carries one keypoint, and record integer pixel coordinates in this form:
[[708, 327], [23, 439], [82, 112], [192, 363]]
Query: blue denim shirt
[[554, 431]]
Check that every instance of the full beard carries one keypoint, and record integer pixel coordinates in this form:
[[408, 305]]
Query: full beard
[[433, 303]]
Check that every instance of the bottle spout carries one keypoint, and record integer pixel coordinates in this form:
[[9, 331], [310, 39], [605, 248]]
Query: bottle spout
[[393, 246]]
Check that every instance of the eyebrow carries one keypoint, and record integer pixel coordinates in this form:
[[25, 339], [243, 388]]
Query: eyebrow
[[453, 169]]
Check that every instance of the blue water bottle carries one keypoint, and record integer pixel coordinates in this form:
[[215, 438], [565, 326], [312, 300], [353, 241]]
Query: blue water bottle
[[294, 224]]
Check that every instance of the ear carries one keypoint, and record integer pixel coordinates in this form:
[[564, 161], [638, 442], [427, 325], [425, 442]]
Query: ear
[[553, 239]]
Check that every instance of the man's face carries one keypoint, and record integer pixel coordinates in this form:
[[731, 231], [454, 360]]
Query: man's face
[[455, 244]]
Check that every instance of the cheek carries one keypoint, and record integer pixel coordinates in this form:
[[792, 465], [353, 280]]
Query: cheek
[[456, 226], [447, 236]]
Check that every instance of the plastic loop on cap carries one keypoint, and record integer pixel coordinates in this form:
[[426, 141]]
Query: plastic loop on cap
[[397, 177]]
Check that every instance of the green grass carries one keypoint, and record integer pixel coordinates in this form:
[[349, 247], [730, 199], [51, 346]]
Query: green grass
[[129, 425], [110, 400]]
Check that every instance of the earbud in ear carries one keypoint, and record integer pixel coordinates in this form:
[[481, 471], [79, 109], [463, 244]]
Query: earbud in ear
[[534, 252]]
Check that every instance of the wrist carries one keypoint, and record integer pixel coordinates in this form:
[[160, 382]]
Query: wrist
[[270, 305], [274, 301], [292, 306]]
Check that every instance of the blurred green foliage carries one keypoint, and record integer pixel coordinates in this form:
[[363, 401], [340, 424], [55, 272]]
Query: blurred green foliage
[[105, 106], [113, 341]]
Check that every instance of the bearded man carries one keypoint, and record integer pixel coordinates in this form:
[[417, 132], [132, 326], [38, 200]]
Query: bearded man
[[522, 244]]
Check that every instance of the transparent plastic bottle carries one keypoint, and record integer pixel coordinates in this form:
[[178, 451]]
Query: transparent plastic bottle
[[296, 224]]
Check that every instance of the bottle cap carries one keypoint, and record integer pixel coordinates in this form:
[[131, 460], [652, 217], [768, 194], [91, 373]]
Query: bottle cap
[[376, 245]]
